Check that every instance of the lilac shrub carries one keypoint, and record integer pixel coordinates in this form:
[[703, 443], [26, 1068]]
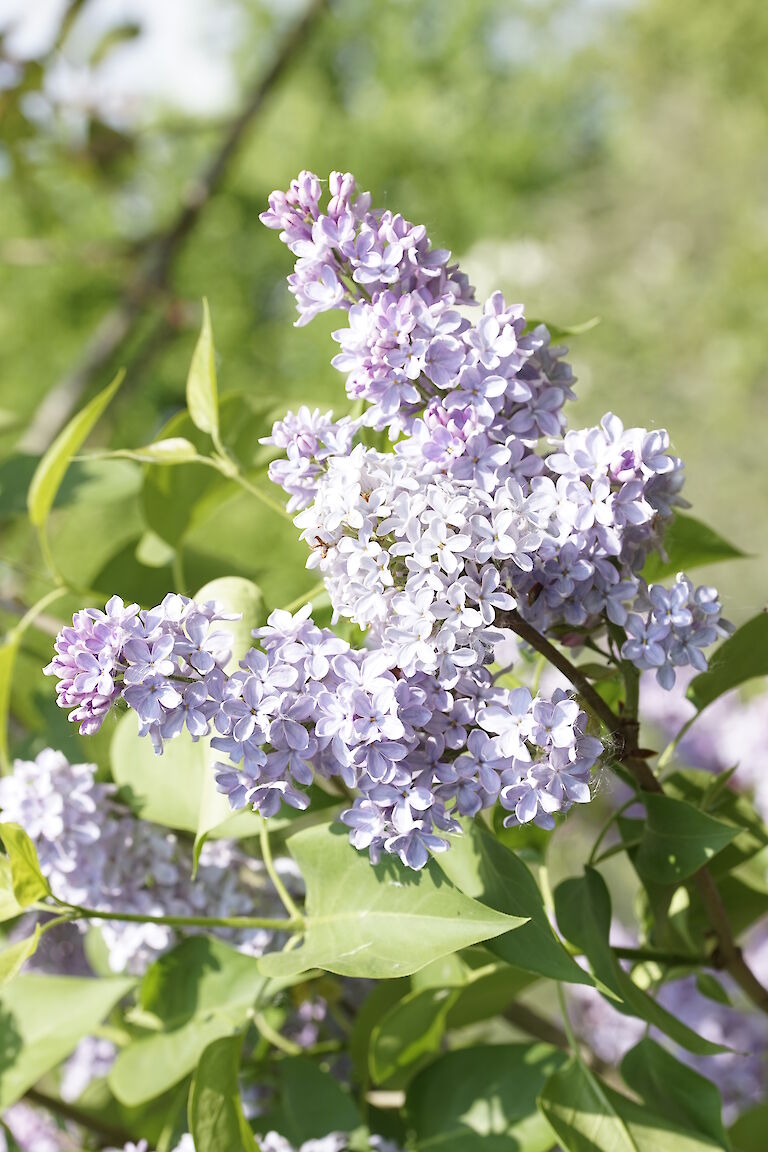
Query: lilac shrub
[[485, 507]]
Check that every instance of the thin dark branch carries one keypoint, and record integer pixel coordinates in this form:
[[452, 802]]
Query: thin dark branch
[[728, 954], [78, 1116], [515, 623], [154, 275], [542, 1028]]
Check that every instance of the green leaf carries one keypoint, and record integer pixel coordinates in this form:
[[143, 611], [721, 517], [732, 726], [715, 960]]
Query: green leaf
[[559, 332], [409, 1035], [202, 392], [9, 905], [377, 922], [216, 1118], [712, 794], [374, 1007], [583, 910], [689, 544], [678, 839], [588, 1116], [708, 986], [14, 957], [42, 1018], [483, 1099], [172, 789], [483, 868], [198, 992], [748, 1133], [29, 884], [741, 657], [53, 466], [312, 1102], [582, 1112], [677, 1092]]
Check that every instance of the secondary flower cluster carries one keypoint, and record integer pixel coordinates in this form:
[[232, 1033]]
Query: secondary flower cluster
[[95, 853], [473, 498], [418, 752], [674, 627]]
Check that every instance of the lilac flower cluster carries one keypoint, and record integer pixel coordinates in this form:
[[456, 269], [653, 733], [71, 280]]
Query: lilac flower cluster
[[417, 561], [561, 531], [669, 628], [349, 253], [333, 1142], [419, 751], [95, 853], [139, 656], [308, 440]]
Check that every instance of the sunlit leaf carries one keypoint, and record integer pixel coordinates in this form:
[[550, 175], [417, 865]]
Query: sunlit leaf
[[678, 839], [675, 1091], [14, 957], [42, 1018], [583, 909], [202, 390], [409, 1035], [52, 468], [216, 1119], [588, 1116], [488, 871], [377, 922], [689, 544], [29, 884], [483, 1099], [199, 992]]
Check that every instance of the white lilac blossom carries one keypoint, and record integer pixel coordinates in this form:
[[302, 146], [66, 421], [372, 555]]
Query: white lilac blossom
[[469, 404], [308, 440], [95, 853], [418, 750]]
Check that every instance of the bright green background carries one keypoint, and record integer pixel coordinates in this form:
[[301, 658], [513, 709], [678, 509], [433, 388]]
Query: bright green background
[[588, 156]]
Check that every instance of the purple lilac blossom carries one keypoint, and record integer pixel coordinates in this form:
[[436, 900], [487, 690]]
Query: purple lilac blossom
[[95, 853], [418, 750], [669, 628]]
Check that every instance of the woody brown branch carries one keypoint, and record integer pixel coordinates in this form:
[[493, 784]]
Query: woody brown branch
[[624, 731]]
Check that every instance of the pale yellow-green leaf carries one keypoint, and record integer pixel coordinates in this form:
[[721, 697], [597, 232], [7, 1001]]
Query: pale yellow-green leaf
[[202, 390], [29, 884], [13, 958], [53, 466]]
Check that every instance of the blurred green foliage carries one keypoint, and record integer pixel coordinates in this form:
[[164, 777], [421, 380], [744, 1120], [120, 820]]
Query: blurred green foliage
[[587, 156]]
